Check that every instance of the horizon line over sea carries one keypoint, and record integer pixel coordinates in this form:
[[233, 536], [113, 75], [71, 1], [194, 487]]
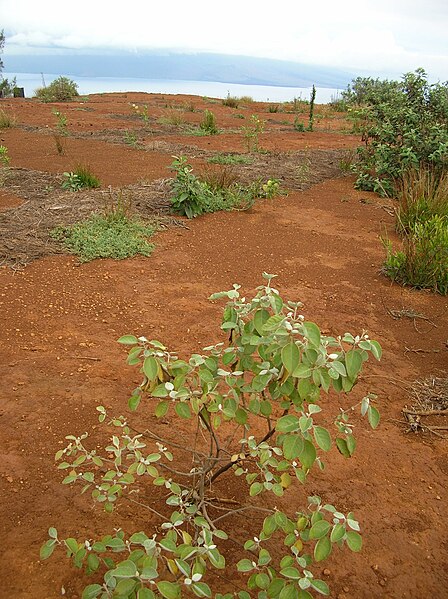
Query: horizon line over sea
[[214, 89]]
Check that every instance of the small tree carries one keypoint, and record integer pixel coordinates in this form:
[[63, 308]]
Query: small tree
[[253, 405], [6, 87]]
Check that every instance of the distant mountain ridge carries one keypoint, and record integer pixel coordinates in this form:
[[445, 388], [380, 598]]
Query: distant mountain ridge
[[223, 68]]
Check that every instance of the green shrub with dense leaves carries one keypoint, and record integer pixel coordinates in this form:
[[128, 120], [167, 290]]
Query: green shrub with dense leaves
[[404, 125], [61, 89]]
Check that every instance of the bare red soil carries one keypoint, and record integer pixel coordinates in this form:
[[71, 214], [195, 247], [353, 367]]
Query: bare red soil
[[60, 321]]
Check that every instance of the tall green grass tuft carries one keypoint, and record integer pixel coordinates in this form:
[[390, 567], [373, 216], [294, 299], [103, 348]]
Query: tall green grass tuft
[[422, 194], [423, 261]]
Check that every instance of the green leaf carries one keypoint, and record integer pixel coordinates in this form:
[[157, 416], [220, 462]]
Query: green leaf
[[169, 590], [308, 455], [245, 565], [290, 357], [320, 586], [273, 323], [354, 540], [322, 549], [260, 317], [302, 372], [269, 525], [255, 489], [312, 333], [287, 424], [126, 569], [341, 444], [262, 580], [145, 594], [52, 533], [319, 529], [124, 588], [150, 368], [161, 409], [373, 417], [291, 572], [264, 557], [128, 340], [339, 367], [134, 401], [47, 549], [289, 591], [201, 589], [183, 409], [337, 533], [353, 363], [322, 437], [292, 446], [92, 591], [376, 350]]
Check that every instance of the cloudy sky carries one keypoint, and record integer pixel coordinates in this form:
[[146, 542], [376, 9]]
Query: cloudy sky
[[382, 36]]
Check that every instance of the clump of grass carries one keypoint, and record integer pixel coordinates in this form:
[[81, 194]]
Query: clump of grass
[[246, 100], [273, 108], [231, 159], [423, 261], [6, 120], [231, 101], [422, 194], [172, 117], [113, 235], [86, 177]]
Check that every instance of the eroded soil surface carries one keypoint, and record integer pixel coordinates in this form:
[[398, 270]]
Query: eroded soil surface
[[60, 321]]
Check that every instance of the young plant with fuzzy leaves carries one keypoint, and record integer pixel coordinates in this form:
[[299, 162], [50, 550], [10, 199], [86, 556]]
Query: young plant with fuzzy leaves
[[254, 408]]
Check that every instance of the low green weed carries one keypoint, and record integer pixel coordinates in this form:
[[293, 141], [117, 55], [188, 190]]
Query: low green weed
[[6, 120], [4, 158], [215, 191], [106, 236], [252, 132], [231, 159]]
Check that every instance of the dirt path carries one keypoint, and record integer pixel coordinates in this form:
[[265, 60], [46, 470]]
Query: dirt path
[[58, 360]]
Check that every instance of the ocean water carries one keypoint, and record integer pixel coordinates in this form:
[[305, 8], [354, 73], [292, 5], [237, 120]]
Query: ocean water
[[213, 89]]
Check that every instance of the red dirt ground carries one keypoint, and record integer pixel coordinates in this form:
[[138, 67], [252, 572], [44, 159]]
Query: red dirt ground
[[59, 358]]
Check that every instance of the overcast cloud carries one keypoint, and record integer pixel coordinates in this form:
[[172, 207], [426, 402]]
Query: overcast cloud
[[382, 36]]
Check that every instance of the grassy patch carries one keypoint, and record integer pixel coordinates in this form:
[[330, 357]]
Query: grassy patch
[[423, 261], [113, 236], [231, 159]]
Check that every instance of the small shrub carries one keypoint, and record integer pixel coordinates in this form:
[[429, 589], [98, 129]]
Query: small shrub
[[257, 400], [273, 108], [231, 101], [423, 261], [299, 125], [61, 89], [106, 236], [6, 121], [208, 123], [246, 100]]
